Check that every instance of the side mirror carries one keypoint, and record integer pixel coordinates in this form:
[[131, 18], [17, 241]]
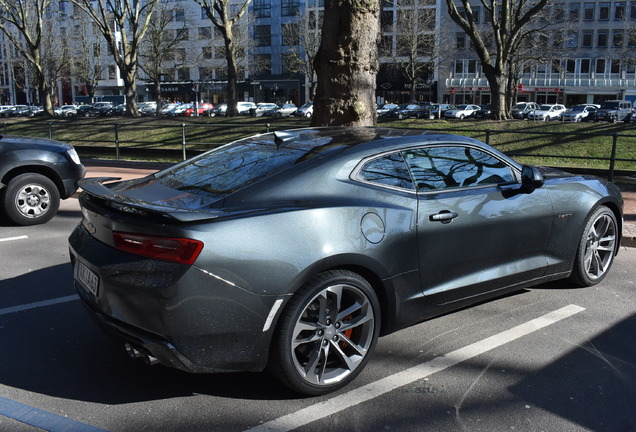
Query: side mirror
[[531, 177]]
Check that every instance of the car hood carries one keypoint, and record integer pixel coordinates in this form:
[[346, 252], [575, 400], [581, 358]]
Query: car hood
[[10, 142]]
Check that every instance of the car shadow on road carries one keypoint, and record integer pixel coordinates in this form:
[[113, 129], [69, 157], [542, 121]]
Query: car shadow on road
[[57, 350], [593, 385]]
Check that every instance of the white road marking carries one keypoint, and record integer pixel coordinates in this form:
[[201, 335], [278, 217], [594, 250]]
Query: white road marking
[[378, 388], [39, 304], [6, 239]]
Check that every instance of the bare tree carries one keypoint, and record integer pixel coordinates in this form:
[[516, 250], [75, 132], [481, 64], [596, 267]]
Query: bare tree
[[123, 23], [159, 45], [218, 11], [507, 20], [87, 61], [347, 64], [25, 26], [304, 43], [415, 46]]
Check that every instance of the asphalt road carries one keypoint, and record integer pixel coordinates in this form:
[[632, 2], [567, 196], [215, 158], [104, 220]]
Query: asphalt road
[[551, 358]]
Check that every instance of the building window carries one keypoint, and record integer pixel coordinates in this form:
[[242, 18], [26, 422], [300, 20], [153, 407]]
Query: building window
[[179, 15], [460, 41], [588, 11], [617, 38], [263, 62], [600, 66], [204, 14], [289, 7], [585, 66], [574, 11], [476, 13], [570, 66], [262, 8], [632, 10], [588, 36], [291, 34], [631, 42], [615, 66], [112, 74], [559, 11], [205, 33], [572, 40], [619, 11], [386, 46], [472, 66], [459, 67], [601, 39], [183, 74], [262, 35], [386, 21], [604, 11], [206, 52]]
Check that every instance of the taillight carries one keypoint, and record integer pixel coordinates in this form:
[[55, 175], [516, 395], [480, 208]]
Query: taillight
[[177, 250]]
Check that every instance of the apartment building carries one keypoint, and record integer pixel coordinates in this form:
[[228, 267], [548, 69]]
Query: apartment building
[[586, 54]]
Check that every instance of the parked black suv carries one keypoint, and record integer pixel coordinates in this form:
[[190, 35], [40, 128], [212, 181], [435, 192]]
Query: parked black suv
[[614, 111], [35, 173]]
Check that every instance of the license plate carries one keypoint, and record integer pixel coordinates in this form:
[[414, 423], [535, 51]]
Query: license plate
[[87, 278]]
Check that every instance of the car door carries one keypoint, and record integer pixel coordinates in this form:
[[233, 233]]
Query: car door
[[477, 230]]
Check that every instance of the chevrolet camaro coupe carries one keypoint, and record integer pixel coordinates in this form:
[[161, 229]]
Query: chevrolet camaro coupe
[[293, 251]]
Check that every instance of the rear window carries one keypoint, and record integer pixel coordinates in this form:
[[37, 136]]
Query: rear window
[[236, 165]]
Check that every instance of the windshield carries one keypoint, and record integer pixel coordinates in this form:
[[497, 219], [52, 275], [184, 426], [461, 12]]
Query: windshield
[[545, 107], [577, 109]]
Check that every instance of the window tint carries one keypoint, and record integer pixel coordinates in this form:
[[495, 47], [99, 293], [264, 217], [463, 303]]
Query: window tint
[[437, 168], [389, 170]]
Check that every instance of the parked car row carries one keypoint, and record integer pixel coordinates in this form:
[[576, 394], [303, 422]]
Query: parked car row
[[611, 110], [20, 110]]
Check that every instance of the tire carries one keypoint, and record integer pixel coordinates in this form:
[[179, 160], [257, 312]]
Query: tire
[[597, 248], [461, 116], [30, 199], [317, 349]]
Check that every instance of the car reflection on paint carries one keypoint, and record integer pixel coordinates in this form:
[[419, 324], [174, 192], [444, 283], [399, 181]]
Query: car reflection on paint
[[293, 251]]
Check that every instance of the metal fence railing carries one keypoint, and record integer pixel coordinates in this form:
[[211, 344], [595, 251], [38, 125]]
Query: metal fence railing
[[182, 140]]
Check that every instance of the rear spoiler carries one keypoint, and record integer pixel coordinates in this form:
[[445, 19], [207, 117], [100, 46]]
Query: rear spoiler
[[95, 187]]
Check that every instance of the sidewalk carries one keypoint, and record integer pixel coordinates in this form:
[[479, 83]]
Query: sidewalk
[[129, 170]]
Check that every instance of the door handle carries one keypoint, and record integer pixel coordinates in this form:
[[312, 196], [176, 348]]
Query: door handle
[[445, 216]]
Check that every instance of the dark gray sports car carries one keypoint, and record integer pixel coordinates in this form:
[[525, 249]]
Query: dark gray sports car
[[295, 250]]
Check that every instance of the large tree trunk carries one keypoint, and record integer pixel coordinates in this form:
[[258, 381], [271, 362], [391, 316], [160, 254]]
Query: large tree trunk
[[497, 81], [130, 90], [232, 72], [347, 64], [46, 98]]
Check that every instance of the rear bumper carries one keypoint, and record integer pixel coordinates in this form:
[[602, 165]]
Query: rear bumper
[[181, 315]]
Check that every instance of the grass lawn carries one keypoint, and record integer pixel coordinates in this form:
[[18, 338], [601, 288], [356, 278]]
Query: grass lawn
[[161, 139]]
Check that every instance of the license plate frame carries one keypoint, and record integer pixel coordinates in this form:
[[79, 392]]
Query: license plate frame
[[86, 278]]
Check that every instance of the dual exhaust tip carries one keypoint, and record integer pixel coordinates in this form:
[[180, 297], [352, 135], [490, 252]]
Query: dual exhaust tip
[[140, 354]]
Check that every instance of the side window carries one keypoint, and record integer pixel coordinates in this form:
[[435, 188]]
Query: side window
[[435, 168], [389, 170]]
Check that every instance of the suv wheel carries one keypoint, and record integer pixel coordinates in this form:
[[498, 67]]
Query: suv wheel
[[30, 199]]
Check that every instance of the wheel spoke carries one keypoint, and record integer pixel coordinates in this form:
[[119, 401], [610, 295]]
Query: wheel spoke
[[348, 361]]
